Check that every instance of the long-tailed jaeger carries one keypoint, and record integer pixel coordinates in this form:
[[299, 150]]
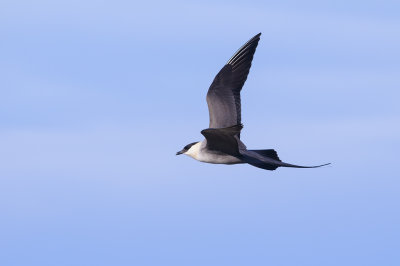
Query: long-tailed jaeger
[[222, 144]]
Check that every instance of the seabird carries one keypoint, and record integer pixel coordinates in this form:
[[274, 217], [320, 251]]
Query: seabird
[[222, 144]]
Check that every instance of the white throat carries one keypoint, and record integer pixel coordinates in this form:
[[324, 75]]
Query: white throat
[[194, 151]]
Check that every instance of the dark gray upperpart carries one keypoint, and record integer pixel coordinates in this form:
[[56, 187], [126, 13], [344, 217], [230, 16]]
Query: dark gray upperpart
[[226, 140], [223, 97]]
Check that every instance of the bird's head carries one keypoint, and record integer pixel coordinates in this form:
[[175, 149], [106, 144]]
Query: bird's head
[[188, 149]]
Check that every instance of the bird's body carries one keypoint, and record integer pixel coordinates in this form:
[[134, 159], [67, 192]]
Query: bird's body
[[222, 144], [200, 152]]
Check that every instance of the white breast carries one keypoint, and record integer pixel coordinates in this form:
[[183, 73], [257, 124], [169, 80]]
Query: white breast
[[200, 153], [194, 150]]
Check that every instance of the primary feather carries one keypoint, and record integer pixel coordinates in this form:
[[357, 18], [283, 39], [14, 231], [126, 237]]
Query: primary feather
[[223, 97]]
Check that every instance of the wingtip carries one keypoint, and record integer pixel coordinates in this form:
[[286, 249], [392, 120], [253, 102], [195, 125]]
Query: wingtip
[[249, 45], [257, 36]]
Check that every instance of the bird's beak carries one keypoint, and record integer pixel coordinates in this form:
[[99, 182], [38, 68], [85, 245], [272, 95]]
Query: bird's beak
[[179, 152]]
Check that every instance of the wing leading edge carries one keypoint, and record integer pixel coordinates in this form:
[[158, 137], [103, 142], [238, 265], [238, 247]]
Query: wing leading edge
[[223, 97]]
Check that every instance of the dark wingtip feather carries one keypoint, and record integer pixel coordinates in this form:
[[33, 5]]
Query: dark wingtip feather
[[249, 45]]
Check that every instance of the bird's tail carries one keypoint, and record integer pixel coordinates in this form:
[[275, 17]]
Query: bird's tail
[[300, 166], [269, 160]]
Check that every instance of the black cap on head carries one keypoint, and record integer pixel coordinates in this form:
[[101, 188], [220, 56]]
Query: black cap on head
[[186, 148]]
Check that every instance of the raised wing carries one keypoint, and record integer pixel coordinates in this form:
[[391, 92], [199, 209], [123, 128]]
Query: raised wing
[[223, 97], [224, 139]]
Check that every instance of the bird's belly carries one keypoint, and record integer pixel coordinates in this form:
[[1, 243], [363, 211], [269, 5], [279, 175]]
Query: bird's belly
[[218, 158]]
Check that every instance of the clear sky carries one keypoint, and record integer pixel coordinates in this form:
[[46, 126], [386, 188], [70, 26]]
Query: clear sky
[[98, 96]]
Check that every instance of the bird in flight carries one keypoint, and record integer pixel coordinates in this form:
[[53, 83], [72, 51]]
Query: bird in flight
[[222, 144]]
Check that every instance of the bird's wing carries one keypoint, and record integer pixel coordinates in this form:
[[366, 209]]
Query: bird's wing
[[223, 97], [224, 139]]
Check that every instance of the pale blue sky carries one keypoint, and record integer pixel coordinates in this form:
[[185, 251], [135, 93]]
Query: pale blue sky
[[97, 97]]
